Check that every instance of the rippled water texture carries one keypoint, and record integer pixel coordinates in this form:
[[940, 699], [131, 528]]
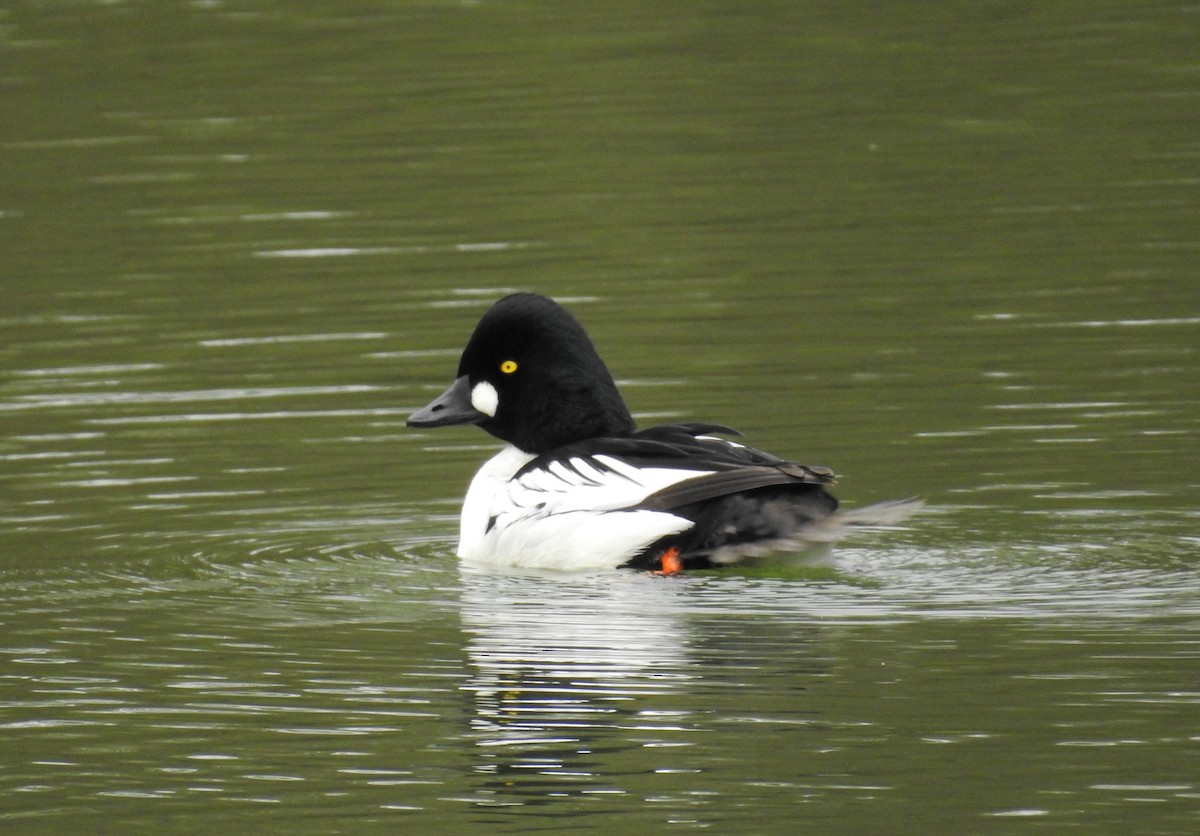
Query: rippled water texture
[[948, 250]]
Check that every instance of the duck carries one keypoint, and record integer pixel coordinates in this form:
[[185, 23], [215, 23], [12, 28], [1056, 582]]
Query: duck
[[578, 486]]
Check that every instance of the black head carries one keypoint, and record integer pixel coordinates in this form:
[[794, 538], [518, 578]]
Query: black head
[[530, 376]]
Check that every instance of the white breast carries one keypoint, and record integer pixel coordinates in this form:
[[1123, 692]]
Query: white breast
[[563, 517]]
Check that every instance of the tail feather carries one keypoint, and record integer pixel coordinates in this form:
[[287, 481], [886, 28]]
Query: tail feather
[[889, 512]]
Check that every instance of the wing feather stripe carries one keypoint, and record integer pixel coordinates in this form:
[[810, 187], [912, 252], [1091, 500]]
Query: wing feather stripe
[[711, 486]]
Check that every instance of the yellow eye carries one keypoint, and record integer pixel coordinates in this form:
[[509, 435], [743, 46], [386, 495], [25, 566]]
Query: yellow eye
[[508, 366]]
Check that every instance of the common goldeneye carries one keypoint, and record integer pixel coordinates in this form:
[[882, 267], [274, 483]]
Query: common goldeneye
[[580, 487]]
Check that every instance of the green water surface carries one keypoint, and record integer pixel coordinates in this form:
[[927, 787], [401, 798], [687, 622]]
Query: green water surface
[[948, 249]]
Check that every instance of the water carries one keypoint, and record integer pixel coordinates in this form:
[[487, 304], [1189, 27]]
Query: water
[[948, 251]]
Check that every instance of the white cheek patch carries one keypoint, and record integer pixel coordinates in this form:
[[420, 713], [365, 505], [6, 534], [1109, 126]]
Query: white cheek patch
[[485, 398]]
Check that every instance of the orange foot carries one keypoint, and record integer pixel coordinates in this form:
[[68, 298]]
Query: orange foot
[[672, 564]]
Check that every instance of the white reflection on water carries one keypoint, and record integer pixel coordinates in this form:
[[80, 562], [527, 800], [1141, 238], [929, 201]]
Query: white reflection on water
[[559, 664], [64, 400]]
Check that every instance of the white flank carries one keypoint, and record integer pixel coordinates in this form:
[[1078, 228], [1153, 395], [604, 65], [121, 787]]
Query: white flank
[[563, 517]]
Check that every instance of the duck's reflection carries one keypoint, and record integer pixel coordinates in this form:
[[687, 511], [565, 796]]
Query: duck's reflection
[[568, 672]]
